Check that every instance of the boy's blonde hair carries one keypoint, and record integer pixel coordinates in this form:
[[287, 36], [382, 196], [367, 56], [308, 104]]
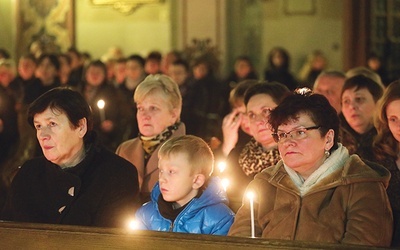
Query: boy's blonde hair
[[161, 84], [197, 151]]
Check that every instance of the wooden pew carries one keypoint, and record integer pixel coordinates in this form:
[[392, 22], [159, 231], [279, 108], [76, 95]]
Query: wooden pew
[[44, 236]]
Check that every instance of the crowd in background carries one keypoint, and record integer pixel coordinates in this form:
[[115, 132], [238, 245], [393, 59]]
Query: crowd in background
[[227, 112]]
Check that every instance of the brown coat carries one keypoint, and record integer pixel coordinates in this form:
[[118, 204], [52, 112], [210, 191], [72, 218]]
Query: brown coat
[[132, 151], [349, 206]]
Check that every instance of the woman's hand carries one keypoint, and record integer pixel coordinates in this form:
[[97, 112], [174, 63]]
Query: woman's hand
[[230, 130]]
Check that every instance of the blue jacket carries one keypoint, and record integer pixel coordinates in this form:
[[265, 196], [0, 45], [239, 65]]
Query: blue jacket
[[207, 214]]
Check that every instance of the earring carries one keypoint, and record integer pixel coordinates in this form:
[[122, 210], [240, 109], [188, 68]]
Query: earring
[[327, 153]]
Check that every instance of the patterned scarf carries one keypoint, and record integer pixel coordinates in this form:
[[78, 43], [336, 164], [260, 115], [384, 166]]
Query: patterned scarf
[[254, 158], [150, 144]]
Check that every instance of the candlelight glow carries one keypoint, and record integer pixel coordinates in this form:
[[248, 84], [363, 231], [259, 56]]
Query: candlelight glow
[[221, 166], [132, 224], [101, 104], [225, 183], [250, 195]]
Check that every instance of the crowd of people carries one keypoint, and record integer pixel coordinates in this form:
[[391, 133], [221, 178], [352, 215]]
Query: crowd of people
[[95, 142]]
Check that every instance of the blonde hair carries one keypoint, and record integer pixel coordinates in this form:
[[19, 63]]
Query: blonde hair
[[161, 84], [197, 151]]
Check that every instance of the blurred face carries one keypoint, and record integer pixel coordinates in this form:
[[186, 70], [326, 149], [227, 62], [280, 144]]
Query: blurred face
[[278, 59], [65, 67], [258, 109], [6, 76], [152, 67], [307, 154], [200, 71], [26, 68], [318, 63], [61, 143], [95, 75], [331, 88], [46, 71], [175, 179], [119, 71], [358, 107], [134, 70], [76, 61], [242, 68], [178, 73], [393, 116], [154, 114], [374, 63]]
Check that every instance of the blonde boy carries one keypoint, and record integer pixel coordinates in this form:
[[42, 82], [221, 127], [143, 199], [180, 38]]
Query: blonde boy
[[186, 198]]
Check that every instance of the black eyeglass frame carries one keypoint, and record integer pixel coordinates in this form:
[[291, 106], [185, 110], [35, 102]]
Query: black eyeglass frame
[[277, 138]]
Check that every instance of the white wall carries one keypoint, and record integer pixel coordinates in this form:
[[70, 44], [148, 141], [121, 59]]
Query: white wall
[[301, 34]]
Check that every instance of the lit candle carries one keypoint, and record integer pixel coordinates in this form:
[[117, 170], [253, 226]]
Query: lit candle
[[221, 166], [101, 105], [250, 195], [132, 224], [225, 183]]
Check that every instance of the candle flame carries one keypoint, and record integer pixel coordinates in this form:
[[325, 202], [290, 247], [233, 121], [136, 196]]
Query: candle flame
[[221, 166], [101, 103], [250, 195], [132, 224]]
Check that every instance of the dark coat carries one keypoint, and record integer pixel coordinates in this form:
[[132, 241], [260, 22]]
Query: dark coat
[[102, 191]]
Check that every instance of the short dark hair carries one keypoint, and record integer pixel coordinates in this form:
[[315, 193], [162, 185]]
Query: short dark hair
[[182, 63], [363, 82], [65, 100], [154, 55], [314, 105], [276, 90], [52, 58], [136, 58]]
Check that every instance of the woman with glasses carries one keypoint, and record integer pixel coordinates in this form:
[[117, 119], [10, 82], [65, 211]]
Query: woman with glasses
[[317, 192], [244, 162]]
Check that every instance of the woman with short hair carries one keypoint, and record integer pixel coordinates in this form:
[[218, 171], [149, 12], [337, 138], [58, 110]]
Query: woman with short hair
[[159, 105]]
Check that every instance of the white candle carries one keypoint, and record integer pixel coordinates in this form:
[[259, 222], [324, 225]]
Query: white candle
[[101, 103], [250, 195]]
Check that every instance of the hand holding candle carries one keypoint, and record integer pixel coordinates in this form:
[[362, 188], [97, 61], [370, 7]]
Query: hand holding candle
[[100, 105], [250, 195]]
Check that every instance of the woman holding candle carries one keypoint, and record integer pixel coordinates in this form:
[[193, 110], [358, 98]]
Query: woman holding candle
[[112, 117], [159, 105], [77, 181], [317, 192]]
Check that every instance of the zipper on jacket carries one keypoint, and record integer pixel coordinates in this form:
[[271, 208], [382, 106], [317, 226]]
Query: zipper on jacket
[[171, 227]]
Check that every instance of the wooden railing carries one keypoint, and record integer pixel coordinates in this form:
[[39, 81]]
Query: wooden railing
[[43, 236]]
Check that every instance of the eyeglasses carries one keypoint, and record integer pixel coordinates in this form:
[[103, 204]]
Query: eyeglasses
[[295, 134]]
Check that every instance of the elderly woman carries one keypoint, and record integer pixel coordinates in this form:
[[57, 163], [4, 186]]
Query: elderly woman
[[386, 147], [360, 95], [261, 151], [77, 181], [159, 105], [317, 192]]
